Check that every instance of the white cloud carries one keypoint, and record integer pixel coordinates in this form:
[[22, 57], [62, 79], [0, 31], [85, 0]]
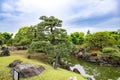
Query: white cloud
[[63, 8], [94, 8], [109, 25], [47, 7], [66, 10], [7, 8]]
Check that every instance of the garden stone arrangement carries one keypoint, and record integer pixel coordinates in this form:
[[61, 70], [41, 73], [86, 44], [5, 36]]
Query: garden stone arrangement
[[25, 70], [5, 52], [99, 59]]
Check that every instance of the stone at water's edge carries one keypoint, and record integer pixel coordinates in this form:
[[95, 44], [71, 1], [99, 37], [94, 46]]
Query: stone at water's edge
[[89, 78], [101, 60], [27, 70], [76, 71], [67, 67]]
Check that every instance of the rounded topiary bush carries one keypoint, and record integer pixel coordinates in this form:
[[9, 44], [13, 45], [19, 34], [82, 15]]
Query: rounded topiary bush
[[41, 46], [109, 50]]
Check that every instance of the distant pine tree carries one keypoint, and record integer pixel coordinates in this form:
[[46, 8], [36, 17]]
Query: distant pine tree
[[88, 32]]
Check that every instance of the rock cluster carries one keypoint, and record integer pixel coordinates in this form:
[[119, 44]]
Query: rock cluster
[[98, 59], [25, 70]]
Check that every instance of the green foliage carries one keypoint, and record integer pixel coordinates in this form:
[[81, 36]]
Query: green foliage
[[88, 41], [24, 36], [41, 33], [99, 52], [60, 36], [118, 42], [41, 46], [64, 49], [111, 51], [100, 40], [1, 39], [46, 47], [5, 38], [10, 42], [77, 37], [116, 36], [24, 42], [50, 24], [50, 38]]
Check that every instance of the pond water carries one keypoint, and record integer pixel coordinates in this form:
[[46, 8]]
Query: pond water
[[99, 72]]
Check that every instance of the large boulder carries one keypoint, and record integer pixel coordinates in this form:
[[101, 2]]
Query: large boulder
[[27, 70], [89, 78], [67, 67], [92, 59], [87, 56]]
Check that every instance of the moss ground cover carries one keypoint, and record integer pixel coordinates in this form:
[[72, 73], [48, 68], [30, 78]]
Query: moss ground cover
[[48, 74]]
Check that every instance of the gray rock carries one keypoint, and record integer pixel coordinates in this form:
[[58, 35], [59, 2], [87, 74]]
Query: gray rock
[[27, 70], [76, 71], [88, 78], [5, 52], [80, 55], [87, 56], [14, 63]]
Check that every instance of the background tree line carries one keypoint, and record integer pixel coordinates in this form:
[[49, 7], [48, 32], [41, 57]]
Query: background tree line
[[47, 36], [6, 38]]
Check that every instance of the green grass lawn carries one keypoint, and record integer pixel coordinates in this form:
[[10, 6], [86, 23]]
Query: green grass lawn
[[48, 74]]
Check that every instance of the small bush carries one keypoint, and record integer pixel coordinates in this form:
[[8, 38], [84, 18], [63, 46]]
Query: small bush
[[41, 46], [109, 50]]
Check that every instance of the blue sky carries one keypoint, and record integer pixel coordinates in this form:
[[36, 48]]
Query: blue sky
[[77, 15]]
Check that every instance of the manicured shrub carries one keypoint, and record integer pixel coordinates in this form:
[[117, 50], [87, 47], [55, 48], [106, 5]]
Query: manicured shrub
[[99, 52], [65, 48], [109, 50], [41, 46]]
